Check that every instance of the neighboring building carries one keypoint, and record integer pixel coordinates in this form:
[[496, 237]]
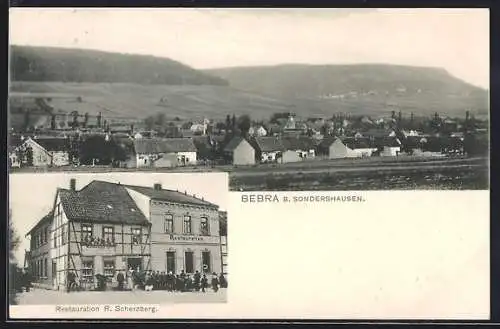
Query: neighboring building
[[161, 152], [377, 133], [290, 156], [223, 237], [391, 147], [184, 230], [239, 151], [268, 149], [51, 151], [337, 148], [106, 227], [305, 147]]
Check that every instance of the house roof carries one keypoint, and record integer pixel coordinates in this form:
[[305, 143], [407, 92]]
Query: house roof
[[101, 202], [171, 196], [376, 133], [357, 143], [233, 143], [53, 143], [269, 144], [298, 143], [163, 145], [391, 142], [43, 220]]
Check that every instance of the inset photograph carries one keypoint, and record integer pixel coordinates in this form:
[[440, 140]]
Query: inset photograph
[[132, 238]]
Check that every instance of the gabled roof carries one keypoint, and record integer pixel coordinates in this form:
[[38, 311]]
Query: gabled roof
[[171, 196], [357, 143], [269, 144], [391, 142], [101, 202], [377, 133], [298, 143], [45, 219], [233, 143], [54, 144], [163, 145]]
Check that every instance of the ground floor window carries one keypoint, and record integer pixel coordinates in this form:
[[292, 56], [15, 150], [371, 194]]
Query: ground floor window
[[45, 267], [109, 269], [88, 270], [205, 258], [189, 262], [171, 261]]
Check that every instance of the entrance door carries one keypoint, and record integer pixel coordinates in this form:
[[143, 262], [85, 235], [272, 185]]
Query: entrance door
[[134, 263]]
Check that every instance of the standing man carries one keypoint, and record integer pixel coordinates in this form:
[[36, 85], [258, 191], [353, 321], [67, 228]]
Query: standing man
[[197, 278], [120, 278], [204, 282], [71, 280]]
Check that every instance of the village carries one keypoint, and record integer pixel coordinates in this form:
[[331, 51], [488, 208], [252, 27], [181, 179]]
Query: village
[[65, 141]]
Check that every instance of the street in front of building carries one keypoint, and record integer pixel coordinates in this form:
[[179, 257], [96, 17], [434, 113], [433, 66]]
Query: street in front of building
[[54, 297]]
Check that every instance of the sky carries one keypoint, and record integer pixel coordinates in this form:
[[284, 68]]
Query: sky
[[31, 196], [454, 39]]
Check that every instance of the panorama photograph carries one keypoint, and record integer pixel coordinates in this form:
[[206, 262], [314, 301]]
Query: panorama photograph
[[281, 99]]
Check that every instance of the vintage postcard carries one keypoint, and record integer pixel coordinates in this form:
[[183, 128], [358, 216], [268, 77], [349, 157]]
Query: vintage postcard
[[349, 147]]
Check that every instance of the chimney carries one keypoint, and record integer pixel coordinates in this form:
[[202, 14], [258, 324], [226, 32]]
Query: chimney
[[72, 184], [157, 187]]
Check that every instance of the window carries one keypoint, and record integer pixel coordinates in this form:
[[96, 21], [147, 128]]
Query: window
[[86, 232], [136, 236], [46, 234], [63, 234], [108, 234], [188, 257], [204, 226], [109, 269], [169, 223], [205, 259], [187, 225], [55, 239], [45, 268], [171, 261], [88, 271]]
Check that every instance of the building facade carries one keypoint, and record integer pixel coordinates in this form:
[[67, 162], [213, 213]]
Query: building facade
[[239, 152], [105, 228]]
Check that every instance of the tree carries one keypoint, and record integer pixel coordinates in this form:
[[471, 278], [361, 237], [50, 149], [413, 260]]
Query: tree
[[244, 123], [26, 123], [160, 119], [14, 270], [99, 118], [53, 121], [149, 122], [85, 120], [74, 124], [233, 123], [228, 123]]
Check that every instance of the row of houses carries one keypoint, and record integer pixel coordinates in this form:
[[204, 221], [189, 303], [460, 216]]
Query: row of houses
[[173, 152]]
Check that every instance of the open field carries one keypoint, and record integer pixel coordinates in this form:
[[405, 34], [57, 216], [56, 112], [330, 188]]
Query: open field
[[376, 173], [139, 101]]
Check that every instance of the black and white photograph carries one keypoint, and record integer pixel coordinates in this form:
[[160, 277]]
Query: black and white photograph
[[281, 99], [133, 238]]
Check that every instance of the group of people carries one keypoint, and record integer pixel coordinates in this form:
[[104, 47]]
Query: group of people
[[156, 280], [90, 241]]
